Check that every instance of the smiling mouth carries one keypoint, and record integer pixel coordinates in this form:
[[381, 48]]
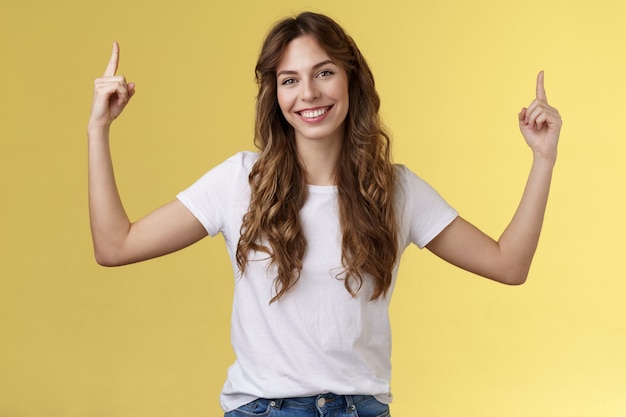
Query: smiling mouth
[[312, 114]]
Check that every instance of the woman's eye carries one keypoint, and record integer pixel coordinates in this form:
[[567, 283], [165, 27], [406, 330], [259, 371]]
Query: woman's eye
[[288, 81], [325, 73]]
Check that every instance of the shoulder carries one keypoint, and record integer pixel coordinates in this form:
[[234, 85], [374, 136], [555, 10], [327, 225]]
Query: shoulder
[[414, 191], [401, 171], [230, 173], [423, 212], [231, 169], [243, 160], [405, 178]]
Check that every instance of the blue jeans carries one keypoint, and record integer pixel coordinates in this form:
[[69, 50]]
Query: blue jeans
[[325, 405]]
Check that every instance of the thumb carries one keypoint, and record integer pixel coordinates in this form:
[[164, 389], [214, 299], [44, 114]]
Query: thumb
[[131, 89]]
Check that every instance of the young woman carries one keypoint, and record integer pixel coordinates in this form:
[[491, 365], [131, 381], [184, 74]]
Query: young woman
[[315, 223]]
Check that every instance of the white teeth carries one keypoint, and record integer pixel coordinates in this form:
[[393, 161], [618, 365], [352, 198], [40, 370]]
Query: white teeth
[[313, 114]]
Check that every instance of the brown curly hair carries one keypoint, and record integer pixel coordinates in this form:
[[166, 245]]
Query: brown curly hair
[[365, 174]]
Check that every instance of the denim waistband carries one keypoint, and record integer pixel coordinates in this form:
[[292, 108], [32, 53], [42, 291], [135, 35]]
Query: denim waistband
[[321, 401]]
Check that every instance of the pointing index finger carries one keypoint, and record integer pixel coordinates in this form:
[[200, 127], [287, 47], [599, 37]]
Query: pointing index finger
[[541, 91], [115, 59]]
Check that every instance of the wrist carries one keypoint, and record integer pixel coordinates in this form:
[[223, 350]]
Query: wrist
[[544, 161], [95, 131]]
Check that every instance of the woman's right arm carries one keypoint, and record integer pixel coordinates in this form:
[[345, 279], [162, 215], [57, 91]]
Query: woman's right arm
[[116, 240]]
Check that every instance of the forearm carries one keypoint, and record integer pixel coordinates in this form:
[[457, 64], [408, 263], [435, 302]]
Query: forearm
[[116, 241], [508, 259], [109, 223], [519, 240]]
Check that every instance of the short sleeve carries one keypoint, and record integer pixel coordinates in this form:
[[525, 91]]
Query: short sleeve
[[423, 212], [210, 199]]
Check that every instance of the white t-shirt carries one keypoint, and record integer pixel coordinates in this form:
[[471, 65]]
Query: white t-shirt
[[316, 338]]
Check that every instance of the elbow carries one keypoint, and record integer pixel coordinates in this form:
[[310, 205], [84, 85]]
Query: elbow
[[515, 280], [106, 257], [512, 271], [514, 276], [104, 260]]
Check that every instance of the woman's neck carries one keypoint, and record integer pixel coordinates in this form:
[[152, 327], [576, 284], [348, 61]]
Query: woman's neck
[[319, 159]]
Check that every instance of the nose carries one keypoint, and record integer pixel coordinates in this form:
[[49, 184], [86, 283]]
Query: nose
[[309, 91]]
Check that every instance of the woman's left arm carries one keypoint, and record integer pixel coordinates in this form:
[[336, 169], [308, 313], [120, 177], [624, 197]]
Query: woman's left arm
[[508, 259]]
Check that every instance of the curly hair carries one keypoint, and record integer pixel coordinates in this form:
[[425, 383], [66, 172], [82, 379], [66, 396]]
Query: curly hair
[[365, 174]]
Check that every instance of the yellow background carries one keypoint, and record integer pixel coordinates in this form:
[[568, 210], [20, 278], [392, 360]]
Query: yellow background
[[79, 340]]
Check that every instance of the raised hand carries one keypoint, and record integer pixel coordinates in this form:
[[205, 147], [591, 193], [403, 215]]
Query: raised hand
[[111, 93], [540, 123]]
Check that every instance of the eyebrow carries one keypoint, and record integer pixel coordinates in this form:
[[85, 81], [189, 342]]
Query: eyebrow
[[316, 66]]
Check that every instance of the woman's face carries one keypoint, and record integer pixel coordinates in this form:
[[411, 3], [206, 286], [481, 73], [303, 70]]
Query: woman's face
[[312, 91]]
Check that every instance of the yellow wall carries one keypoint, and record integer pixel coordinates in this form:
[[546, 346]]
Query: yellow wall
[[79, 340]]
